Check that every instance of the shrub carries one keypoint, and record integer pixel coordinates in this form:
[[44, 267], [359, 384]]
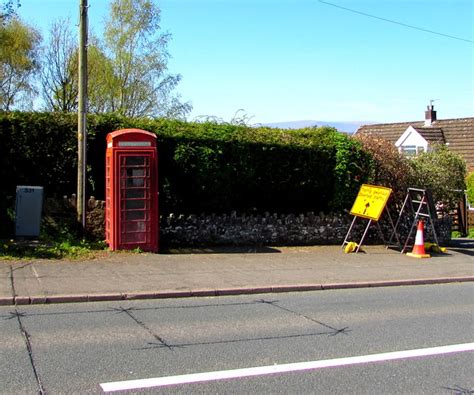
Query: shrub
[[388, 167], [442, 171], [35, 149], [353, 167], [470, 188], [203, 167]]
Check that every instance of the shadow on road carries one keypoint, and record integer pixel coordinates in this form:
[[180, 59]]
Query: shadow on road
[[462, 246], [222, 250]]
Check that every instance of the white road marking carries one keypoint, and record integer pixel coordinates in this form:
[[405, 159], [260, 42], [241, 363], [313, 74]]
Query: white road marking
[[285, 368]]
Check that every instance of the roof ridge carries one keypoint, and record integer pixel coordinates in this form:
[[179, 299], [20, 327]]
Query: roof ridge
[[389, 123], [422, 121]]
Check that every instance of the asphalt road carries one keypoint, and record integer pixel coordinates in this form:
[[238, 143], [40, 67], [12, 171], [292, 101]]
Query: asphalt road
[[74, 348]]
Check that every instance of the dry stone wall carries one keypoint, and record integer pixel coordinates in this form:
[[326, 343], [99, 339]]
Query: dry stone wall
[[236, 229], [274, 229], [268, 229]]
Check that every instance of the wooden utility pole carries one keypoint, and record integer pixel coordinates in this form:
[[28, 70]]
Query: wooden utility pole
[[81, 116]]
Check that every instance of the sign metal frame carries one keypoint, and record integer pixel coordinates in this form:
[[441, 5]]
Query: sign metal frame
[[419, 203], [369, 204]]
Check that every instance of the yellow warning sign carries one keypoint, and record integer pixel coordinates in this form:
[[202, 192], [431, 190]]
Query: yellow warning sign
[[370, 201]]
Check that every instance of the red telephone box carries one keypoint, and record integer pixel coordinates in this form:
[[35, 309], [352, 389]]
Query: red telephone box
[[131, 190]]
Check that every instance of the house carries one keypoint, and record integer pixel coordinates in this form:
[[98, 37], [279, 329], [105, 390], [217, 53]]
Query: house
[[415, 137]]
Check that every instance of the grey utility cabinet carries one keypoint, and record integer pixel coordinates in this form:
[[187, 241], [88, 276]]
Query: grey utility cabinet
[[28, 208]]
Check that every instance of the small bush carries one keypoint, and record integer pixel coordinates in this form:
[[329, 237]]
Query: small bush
[[470, 188], [443, 172], [388, 167]]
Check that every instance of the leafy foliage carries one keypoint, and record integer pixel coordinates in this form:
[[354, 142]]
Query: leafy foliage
[[19, 52], [470, 188], [351, 170], [203, 167], [8, 9], [215, 167], [59, 72], [127, 68], [442, 171], [388, 167], [136, 50], [36, 149]]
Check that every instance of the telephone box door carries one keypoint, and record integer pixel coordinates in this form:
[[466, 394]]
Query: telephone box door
[[135, 193]]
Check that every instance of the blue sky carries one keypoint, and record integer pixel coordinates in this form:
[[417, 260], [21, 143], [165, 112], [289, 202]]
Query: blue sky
[[288, 60]]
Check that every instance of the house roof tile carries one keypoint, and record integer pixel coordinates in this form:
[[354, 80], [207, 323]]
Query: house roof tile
[[457, 133], [432, 135]]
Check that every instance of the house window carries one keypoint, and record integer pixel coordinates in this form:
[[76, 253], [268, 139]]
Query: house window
[[408, 150], [411, 150]]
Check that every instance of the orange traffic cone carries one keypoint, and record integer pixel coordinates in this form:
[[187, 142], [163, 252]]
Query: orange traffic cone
[[419, 247]]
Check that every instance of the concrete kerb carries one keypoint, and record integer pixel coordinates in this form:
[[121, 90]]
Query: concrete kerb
[[7, 301], [171, 294]]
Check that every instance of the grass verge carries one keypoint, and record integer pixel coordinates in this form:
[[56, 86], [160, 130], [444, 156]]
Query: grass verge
[[456, 234], [72, 249]]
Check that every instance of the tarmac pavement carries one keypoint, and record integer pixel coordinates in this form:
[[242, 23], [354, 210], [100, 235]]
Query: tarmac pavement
[[225, 271]]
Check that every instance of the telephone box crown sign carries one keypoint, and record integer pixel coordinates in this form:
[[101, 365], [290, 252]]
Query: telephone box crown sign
[[131, 138]]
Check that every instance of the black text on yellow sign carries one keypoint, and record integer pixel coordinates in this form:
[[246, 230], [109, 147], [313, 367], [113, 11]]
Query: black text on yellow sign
[[370, 201]]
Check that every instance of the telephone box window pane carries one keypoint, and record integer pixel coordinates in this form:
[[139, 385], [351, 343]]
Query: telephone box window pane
[[135, 193], [135, 182], [137, 226], [134, 237], [132, 215], [135, 172], [135, 177], [135, 204], [135, 161]]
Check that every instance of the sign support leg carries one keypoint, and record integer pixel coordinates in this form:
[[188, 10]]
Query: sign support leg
[[381, 233], [363, 236], [349, 232], [369, 204], [394, 231]]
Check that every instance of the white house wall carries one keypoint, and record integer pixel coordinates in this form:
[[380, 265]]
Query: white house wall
[[411, 137]]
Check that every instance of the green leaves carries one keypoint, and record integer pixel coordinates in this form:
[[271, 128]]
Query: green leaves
[[203, 167], [470, 188], [442, 171], [135, 51], [19, 61]]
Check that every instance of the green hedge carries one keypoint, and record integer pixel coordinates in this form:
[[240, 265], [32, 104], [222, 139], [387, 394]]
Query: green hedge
[[470, 188], [203, 167]]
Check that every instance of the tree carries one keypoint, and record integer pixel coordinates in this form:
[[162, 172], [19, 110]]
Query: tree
[[8, 9], [442, 171], [19, 61], [101, 79], [59, 74], [136, 81], [59, 69]]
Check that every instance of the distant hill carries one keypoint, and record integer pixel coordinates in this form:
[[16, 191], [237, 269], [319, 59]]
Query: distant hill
[[348, 127]]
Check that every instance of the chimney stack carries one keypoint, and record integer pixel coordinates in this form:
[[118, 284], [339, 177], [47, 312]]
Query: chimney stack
[[430, 115]]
